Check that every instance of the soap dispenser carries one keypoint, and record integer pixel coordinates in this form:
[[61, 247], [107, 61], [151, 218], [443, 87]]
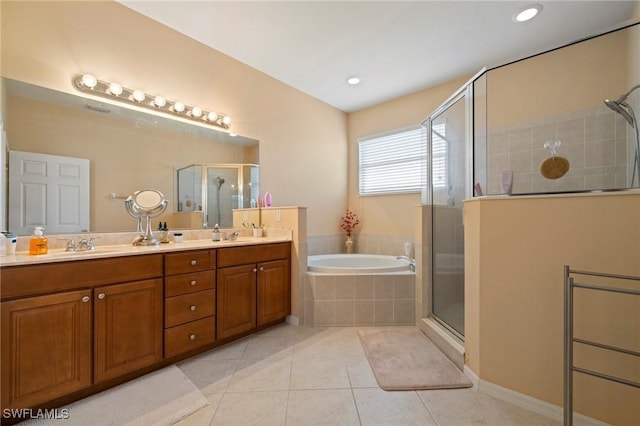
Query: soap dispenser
[[215, 235], [38, 243]]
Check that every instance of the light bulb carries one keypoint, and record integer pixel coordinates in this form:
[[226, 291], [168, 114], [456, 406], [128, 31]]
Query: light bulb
[[138, 95], [213, 116], [528, 13], [89, 81], [353, 81], [115, 89], [178, 107], [159, 101], [196, 112], [226, 120]]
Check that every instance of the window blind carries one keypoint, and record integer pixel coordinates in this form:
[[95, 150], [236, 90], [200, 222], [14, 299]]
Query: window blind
[[392, 163]]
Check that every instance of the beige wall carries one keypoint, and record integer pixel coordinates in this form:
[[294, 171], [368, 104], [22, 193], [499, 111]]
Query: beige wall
[[515, 252], [390, 214], [517, 95], [303, 147]]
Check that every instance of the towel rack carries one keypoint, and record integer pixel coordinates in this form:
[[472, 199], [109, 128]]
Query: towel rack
[[569, 340]]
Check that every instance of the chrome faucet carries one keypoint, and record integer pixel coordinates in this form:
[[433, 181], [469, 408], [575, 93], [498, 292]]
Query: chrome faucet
[[412, 262], [233, 237], [83, 245]]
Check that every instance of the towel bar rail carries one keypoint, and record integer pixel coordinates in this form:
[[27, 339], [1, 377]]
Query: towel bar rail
[[569, 339]]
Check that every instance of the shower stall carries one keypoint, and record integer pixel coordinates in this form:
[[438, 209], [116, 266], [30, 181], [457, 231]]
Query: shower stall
[[216, 190], [450, 177]]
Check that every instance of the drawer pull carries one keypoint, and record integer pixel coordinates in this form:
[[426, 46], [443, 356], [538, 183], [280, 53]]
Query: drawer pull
[[101, 296], [192, 337], [193, 262], [86, 299], [193, 282], [193, 307]]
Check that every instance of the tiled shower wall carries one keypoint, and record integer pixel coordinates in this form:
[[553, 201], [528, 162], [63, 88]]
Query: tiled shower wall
[[597, 142]]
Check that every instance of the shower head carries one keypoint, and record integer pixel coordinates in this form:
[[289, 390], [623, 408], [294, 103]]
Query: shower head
[[617, 106], [623, 108], [218, 181]]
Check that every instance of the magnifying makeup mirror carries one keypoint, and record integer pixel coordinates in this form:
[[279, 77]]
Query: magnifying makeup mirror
[[146, 203]]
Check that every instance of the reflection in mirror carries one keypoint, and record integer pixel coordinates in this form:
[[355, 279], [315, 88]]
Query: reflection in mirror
[[559, 95], [125, 149], [208, 193]]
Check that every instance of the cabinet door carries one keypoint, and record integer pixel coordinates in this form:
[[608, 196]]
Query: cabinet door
[[46, 347], [274, 291], [128, 327], [236, 302]]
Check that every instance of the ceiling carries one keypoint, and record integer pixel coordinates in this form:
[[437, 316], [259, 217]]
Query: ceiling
[[395, 47]]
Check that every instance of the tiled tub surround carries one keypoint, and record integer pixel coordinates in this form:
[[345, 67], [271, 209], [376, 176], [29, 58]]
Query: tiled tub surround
[[391, 245], [598, 143], [359, 300]]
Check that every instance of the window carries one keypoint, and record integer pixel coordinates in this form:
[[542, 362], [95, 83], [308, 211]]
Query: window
[[392, 163], [439, 153]]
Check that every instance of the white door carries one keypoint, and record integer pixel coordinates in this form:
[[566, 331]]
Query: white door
[[48, 190]]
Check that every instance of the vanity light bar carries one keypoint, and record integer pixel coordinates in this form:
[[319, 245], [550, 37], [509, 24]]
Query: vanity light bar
[[87, 83]]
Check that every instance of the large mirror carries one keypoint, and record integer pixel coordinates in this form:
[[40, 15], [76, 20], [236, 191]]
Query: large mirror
[[559, 96], [123, 149]]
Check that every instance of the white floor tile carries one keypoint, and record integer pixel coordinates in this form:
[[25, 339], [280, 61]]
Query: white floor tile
[[378, 407], [321, 407]]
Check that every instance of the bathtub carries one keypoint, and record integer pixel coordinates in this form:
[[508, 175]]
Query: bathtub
[[358, 290], [356, 264]]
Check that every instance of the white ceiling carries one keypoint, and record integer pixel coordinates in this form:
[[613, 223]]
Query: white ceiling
[[395, 47]]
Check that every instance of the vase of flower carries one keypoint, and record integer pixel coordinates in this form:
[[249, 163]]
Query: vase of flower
[[348, 224], [349, 244]]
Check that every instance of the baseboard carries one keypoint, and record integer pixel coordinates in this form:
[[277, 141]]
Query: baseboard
[[529, 403], [293, 320]]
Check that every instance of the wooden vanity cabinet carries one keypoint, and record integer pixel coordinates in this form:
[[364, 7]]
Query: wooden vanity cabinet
[[46, 347], [128, 327], [253, 287], [69, 325], [190, 301]]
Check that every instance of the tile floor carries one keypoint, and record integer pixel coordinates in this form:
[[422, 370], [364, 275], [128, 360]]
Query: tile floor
[[289, 375]]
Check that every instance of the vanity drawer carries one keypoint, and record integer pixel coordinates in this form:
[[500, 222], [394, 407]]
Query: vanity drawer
[[189, 261], [243, 255], [189, 283], [189, 307], [186, 337]]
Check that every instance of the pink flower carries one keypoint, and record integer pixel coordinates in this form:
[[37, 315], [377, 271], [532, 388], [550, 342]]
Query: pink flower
[[349, 222]]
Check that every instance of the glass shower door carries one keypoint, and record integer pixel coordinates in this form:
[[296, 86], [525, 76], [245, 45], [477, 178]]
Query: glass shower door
[[222, 195], [450, 150]]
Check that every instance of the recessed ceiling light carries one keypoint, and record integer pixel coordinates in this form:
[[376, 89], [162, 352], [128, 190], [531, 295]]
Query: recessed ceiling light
[[527, 13], [353, 80]]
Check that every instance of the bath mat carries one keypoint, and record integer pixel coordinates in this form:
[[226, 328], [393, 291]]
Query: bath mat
[[405, 359], [162, 397]]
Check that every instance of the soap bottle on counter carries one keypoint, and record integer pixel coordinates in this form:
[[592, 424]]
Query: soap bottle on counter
[[215, 235], [38, 243]]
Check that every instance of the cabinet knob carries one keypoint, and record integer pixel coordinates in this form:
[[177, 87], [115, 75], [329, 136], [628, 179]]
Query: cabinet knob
[[262, 268], [193, 307], [192, 337], [255, 270], [193, 262], [101, 296], [193, 282], [85, 299]]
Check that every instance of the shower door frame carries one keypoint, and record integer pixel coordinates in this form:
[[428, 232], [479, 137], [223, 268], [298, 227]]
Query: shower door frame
[[466, 93]]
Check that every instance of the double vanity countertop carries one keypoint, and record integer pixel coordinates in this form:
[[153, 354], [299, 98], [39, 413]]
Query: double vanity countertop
[[105, 251]]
